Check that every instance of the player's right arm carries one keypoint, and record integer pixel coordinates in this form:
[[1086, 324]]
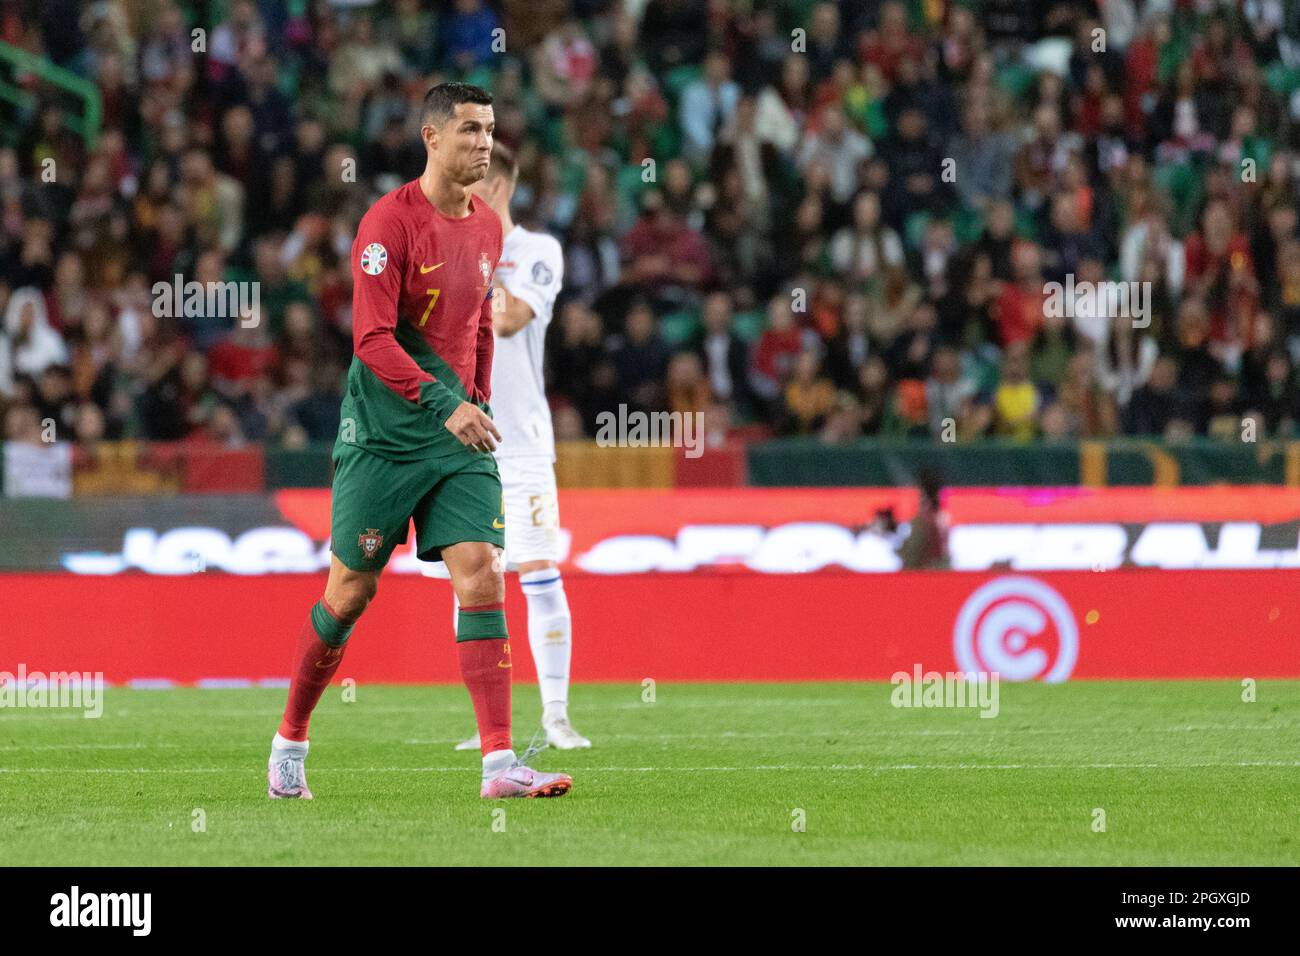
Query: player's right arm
[[376, 292], [513, 314], [531, 290]]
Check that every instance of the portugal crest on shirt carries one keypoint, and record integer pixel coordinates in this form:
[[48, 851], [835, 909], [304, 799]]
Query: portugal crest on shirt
[[370, 541], [485, 268], [373, 259]]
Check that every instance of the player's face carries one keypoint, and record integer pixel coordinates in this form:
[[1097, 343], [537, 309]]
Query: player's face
[[463, 146]]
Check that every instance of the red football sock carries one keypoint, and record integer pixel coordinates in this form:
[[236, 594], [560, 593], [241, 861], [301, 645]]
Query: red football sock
[[485, 667], [314, 665]]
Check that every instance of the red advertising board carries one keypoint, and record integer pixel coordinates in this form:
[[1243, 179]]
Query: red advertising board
[[831, 625], [692, 584]]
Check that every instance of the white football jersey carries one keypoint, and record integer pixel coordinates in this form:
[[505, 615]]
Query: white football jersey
[[531, 269]]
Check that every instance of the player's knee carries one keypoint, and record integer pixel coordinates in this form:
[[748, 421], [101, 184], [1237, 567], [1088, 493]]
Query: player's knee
[[352, 596], [484, 584]]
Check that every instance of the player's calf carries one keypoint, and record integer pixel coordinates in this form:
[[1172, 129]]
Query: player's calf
[[483, 646], [319, 653], [321, 643]]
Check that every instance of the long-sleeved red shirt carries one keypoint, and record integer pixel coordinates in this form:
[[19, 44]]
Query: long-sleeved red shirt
[[421, 323]]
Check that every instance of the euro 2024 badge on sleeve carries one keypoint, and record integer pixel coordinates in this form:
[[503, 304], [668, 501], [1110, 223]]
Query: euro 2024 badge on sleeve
[[373, 259]]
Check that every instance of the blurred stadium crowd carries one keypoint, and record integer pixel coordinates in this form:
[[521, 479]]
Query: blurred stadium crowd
[[751, 196]]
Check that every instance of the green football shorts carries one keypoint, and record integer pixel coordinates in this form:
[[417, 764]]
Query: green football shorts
[[452, 499]]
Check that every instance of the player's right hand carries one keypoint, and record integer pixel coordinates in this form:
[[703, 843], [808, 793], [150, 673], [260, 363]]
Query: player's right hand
[[472, 427]]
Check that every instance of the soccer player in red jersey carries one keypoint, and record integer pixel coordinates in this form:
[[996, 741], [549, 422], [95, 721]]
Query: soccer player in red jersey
[[416, 438]]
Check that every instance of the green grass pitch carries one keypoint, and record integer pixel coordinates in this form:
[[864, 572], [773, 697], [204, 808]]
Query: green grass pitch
[[1186, 774]]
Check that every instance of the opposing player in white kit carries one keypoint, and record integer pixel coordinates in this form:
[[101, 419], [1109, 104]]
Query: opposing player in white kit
[[528, 280]]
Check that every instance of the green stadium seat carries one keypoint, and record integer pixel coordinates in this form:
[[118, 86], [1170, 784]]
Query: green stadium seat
[[1024, 224], [749, 326], [677, 328], [914, 229], [1183, 184], [678, 79], [1282, 79], [1015, 79], [629, 185], [967, 225], [667, 140]]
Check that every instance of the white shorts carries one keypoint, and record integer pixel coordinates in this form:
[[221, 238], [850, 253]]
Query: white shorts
[[532, 509], [532, 514]]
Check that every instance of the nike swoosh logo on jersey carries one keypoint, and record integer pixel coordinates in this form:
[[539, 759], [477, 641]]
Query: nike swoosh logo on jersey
[[425, 269], [498, 524]]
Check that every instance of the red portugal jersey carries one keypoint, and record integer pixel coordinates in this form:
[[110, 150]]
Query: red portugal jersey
[[421, 323]]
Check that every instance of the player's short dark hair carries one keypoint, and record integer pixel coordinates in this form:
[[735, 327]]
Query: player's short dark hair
[[441, 101], [503, 162]]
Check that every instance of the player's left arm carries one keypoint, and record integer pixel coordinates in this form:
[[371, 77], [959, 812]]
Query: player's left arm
[[484, 348], [530, 291]]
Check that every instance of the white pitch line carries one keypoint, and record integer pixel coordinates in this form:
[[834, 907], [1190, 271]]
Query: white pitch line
[[266, 712], [91, 747], [42, 713], [842, 732], [737, 702], [759, 768]]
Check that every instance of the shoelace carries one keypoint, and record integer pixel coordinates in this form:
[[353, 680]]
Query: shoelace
[[533, 749], [290, 773]]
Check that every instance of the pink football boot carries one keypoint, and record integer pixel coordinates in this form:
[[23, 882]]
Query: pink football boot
[[286, 778], [520, 781]]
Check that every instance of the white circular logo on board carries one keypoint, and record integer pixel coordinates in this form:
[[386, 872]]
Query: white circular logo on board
[[1018, 627], [373, 259]]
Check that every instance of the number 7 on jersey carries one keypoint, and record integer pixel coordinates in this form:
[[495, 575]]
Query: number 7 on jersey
[[433, 299]]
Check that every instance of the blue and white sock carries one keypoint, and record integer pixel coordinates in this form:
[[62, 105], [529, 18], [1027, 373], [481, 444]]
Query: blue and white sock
[[549, 636]]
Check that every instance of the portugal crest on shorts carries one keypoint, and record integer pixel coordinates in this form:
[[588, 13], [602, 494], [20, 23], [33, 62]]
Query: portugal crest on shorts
[[370, 541]]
